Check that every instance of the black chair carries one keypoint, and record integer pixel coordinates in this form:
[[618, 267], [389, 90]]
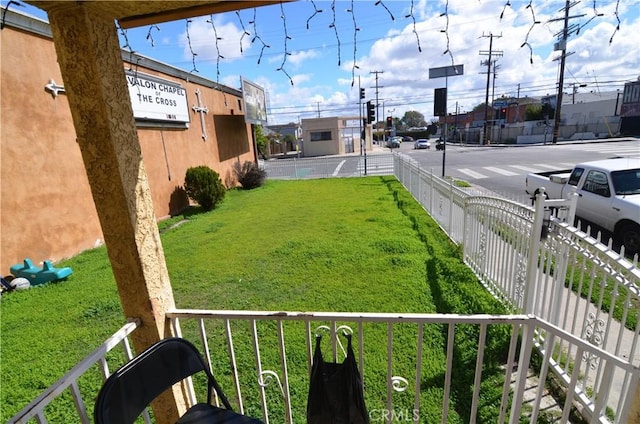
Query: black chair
[[129, 390]]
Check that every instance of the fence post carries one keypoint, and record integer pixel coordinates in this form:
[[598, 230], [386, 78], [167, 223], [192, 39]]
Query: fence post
[[450, 206], [534, 247], [431, 191], [463, 237], [563, 262], [395, 171]]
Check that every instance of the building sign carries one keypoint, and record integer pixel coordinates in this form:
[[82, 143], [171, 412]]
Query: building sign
[[156, 99], [631, 100], [255, 103]]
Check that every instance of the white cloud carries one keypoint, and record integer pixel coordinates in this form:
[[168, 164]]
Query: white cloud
[[209, 44], [297, 58], [393, 46]]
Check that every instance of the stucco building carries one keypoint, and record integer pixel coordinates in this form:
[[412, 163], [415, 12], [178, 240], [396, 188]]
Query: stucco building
[[334, 136], [47, 209]]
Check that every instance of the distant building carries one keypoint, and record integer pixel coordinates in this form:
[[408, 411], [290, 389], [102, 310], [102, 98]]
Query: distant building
[[282, 143], [293, 128], [334, 136], [630, 109], [583, 115]]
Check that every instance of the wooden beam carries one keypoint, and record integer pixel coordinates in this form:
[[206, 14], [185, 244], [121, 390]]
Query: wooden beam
[[130, 14], [90, 59], [191, 11]]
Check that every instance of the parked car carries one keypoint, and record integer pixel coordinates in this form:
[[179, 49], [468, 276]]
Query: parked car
[[422, 143], [407, 138], [394, 143], [608, 195], [440, 145]]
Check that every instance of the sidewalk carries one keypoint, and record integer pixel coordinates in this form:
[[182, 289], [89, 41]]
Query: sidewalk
[[560, 142]]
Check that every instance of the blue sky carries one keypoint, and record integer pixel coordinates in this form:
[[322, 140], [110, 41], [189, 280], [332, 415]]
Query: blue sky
[[316, 71]]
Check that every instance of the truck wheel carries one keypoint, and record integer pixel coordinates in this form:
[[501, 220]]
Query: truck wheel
[[629, 236]]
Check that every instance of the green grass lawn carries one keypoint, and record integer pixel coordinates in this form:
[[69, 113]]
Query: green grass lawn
[[320, 245]]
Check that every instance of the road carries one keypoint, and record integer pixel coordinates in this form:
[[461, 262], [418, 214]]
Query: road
[[503, 169]]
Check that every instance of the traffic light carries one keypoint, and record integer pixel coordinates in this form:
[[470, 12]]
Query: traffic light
[[362, 93], [503, 113], [371, 112], [389, 122]]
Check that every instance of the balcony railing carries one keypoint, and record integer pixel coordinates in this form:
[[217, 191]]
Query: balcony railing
[[263, 360]]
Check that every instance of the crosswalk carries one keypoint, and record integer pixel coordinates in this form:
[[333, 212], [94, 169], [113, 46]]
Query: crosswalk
[[614, 149], [511, 170], [481, 172]]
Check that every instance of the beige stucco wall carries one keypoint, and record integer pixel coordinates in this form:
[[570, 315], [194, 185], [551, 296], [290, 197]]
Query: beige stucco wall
[[335, 146], [46, 207]]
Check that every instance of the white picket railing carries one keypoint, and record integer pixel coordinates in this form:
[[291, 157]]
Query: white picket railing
[[535, 333], [70, 382], [280, 350]]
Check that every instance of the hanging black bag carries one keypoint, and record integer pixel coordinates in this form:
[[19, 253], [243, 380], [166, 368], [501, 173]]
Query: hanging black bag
[[336, 394]]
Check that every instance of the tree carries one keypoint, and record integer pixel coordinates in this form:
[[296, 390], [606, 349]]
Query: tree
[[290, 141], [480, 107], [261, 141], [540, 112], [414, 118], [398, 124]]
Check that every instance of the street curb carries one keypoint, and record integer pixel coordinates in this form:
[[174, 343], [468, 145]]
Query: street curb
[[560, 142]]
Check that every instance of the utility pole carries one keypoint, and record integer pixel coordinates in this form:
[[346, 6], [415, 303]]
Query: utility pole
[[375, 124], [493, 84], [575, 89], [488, 62], [561, 46], [361, 96]]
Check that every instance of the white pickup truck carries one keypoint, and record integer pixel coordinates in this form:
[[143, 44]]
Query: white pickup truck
[[608, 195]]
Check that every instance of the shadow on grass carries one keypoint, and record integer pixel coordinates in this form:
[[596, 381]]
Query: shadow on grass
[[180, 218], [452, 293]]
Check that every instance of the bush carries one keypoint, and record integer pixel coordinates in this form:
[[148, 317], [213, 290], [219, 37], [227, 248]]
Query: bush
[[203, 185], [249, 174]]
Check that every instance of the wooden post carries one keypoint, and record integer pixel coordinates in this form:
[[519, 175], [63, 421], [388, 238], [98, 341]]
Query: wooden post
[[89, 55]]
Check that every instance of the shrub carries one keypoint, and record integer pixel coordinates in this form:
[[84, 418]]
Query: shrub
[[249, 174], [203, 185]]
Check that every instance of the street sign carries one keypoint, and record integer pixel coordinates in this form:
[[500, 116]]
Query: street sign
[[499, 103], [446, 71], [440, 96]]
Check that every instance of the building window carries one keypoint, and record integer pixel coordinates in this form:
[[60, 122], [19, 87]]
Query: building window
[[321, 136]]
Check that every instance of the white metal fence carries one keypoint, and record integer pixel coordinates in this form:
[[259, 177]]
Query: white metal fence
[[329, 167], [538, 264]]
